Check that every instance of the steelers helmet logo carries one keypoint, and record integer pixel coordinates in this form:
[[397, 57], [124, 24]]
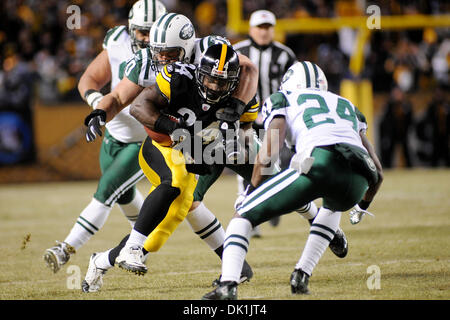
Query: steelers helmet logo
[[187, 31]]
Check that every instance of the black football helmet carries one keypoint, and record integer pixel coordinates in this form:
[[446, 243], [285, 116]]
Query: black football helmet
[[218, 73]]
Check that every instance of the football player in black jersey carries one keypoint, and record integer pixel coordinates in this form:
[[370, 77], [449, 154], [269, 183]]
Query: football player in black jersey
[[181, 97]]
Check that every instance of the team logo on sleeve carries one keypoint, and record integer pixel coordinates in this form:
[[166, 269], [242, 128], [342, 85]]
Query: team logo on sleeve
[[370, 163], [187, 31]]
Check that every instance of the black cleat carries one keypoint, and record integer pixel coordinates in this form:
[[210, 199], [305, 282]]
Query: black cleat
[[226, 290], [339, 244], [275, 221], [246, 275], [299, 282]]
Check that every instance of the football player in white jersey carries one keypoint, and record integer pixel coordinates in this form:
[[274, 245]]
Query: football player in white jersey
[[123, 135], [334, 161]]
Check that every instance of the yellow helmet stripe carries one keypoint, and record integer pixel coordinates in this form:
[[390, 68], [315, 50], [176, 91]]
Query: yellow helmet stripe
[[223, 55]]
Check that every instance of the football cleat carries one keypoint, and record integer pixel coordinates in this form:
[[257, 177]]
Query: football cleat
[[130, 259], [226, 290], [246, 275], [339, 244], [255, 232], [57, 256], [356, 214], [94, 276], [275, 221], [299, 282]]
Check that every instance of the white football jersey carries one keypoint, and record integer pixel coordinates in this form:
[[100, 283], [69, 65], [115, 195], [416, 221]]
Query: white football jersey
[[123, 127], [315, 118]]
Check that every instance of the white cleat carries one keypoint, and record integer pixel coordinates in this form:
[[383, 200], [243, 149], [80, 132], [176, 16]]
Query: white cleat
[[94, 276], [356, 214], [130, 259], [57, 256]]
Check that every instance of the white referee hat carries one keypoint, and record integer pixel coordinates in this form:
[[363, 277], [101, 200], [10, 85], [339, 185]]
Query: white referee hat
[[262, 17]]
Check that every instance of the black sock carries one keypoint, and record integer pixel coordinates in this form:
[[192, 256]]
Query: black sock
[[155, 208], [114, 253], [219, 251]]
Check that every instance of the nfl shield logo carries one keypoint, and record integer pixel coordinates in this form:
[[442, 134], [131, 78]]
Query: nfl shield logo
[[205, 107]]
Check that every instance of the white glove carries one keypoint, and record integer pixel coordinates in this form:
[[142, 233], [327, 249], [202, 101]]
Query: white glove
[[241, 196], [357, 213], [94, 98]]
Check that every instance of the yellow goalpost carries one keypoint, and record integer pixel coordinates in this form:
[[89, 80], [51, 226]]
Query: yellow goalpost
[[358, 90]]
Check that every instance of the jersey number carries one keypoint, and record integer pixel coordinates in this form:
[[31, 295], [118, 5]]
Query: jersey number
[[344, 110], [182, 69]]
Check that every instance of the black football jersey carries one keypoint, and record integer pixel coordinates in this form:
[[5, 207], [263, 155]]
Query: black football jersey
[[177, 83]]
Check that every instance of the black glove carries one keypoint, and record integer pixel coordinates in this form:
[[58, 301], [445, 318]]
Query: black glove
[[94, 122], [233, 110], [232, 146], [201, 169]]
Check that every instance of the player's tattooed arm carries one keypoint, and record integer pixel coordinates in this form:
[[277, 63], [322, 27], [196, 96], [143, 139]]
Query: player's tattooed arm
[[147, 105]]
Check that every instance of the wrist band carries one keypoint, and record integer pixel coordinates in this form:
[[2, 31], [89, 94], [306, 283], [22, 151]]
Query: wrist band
[[92, 97], [164, 125]]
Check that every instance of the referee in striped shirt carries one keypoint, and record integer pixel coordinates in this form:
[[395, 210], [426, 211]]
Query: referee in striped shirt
[[273, 59]]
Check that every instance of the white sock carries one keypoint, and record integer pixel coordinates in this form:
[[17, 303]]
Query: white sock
[[103, 260], [321, 233], [235, 248], [91, 219], [308, 211], [136, 239], [205, 224], [240, 183], [131, 210]]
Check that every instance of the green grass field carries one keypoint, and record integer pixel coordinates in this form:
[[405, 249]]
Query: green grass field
[[408, 240]]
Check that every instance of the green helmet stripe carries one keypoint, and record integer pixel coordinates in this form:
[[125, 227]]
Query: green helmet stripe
[[147, 65], [154, 10], [316, 75], [202, 47], [163, 36], [308, 79], [155, 38], [119, 33], [146, 10]]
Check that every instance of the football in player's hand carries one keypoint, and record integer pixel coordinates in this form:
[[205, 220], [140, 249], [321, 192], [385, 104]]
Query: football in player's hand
[[162, 138]]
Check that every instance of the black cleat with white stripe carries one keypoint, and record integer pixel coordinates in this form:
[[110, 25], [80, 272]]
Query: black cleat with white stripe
[[227, 290], [299, 282]]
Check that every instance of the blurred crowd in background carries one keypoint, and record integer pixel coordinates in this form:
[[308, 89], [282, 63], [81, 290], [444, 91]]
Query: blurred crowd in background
[[41, 57]]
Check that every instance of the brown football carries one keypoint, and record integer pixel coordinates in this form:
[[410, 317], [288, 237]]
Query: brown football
[[162, 138]]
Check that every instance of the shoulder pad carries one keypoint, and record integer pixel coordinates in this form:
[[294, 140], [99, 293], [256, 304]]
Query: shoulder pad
[[179, 72], [113, 35]]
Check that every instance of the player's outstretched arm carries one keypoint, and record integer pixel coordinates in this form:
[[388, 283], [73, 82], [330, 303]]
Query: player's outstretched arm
[[94, 78], [270, 150], [122, 95], [248, 80], [373, 189], [110, 105]]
